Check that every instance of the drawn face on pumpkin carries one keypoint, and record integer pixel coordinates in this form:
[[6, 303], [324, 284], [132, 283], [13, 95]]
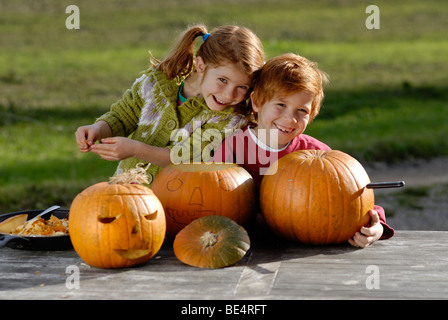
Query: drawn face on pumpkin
[[196, 200], [190, 191]]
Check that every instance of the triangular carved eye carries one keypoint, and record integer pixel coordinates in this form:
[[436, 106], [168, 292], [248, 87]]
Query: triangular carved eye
[[107, 220], [151, 216], [196, 197]]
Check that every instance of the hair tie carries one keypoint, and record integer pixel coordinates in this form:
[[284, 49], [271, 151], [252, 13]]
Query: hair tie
[[205, 36]]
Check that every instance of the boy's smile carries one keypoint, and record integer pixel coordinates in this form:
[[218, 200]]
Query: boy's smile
[[282, 129], [288, 114]]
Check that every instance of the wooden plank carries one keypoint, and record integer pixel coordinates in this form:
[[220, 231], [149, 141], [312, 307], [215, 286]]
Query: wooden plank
[[412, 265], [259, 274], [404, 271]]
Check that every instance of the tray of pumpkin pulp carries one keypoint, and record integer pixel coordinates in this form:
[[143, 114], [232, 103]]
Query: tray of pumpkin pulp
[[28, 230]]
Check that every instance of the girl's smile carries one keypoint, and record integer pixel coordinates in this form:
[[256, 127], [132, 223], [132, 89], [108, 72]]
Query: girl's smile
[[221, 86], [219, 102]]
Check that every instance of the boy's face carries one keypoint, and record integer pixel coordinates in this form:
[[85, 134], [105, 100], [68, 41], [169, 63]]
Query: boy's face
[[287, 114], [222, 86]]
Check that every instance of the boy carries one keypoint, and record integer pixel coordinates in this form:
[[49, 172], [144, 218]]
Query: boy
[[287, 96]]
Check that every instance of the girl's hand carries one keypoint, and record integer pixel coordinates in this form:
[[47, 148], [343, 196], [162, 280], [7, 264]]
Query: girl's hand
[[115, 148], [86, 136], [367, 236]]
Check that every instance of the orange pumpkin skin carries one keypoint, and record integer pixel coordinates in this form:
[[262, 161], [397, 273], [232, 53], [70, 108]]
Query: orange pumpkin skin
[[191, 191], [316, 197], [116, 225], [211, 242]]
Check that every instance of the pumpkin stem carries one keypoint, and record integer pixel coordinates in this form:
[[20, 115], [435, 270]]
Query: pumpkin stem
[[208, 239], [136, 175]]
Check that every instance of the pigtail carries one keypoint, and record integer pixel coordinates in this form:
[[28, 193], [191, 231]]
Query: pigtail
[[180, 60]]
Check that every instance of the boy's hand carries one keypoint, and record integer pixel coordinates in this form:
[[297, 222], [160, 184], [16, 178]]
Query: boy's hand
[[368, 235]]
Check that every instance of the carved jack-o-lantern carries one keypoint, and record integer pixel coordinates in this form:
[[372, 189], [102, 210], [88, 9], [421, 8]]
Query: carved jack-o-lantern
[[190, 191], [116, 225]]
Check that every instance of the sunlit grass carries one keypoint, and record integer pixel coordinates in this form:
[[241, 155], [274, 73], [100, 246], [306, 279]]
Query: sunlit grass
[[386, 100]]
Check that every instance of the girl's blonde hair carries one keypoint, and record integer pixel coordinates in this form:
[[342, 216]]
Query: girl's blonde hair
[[226, 44], [289, 73]]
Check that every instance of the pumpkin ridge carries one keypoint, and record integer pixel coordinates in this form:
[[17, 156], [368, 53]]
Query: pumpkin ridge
[[305, 166], [343, 191], [323, 205], [335, 162], [309, 204], [128, 235], [138, 204], [338, 215], [235, 181], [354, 181], [293, 218], [103, 259], [328, 200]]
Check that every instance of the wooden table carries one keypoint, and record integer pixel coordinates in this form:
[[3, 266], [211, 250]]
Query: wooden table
[[411, 265]]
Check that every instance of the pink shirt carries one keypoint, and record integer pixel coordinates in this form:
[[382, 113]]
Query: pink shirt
[[245, 149]]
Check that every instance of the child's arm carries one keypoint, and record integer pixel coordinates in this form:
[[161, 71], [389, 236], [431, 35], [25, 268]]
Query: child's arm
[[119, 148], [368, 235]]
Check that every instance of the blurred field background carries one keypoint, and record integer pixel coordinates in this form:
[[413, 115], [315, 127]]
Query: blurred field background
[[387, 99]]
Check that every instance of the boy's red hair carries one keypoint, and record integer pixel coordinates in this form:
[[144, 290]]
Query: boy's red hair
[[289, 73]]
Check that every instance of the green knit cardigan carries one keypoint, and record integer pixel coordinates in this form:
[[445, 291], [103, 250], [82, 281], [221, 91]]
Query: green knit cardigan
[[148, 112]]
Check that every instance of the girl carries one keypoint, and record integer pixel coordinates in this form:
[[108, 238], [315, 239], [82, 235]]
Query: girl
[[176, 99]]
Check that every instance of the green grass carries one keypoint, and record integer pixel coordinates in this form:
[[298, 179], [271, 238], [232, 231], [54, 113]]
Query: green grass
[[386, 100]]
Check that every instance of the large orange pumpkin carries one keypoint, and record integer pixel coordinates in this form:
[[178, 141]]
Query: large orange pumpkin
[[316, 197], [191, 191], [116, 225]]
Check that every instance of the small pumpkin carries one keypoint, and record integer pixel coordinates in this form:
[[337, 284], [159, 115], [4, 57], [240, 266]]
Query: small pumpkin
[[190, 191], [116, 225], [211, 242], [316, 197]]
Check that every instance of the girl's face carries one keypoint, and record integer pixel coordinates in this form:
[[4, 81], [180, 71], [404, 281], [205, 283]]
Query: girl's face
[[287, 114], [222, 86]]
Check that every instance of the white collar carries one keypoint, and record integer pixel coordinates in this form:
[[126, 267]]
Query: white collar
[[261, 144]]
